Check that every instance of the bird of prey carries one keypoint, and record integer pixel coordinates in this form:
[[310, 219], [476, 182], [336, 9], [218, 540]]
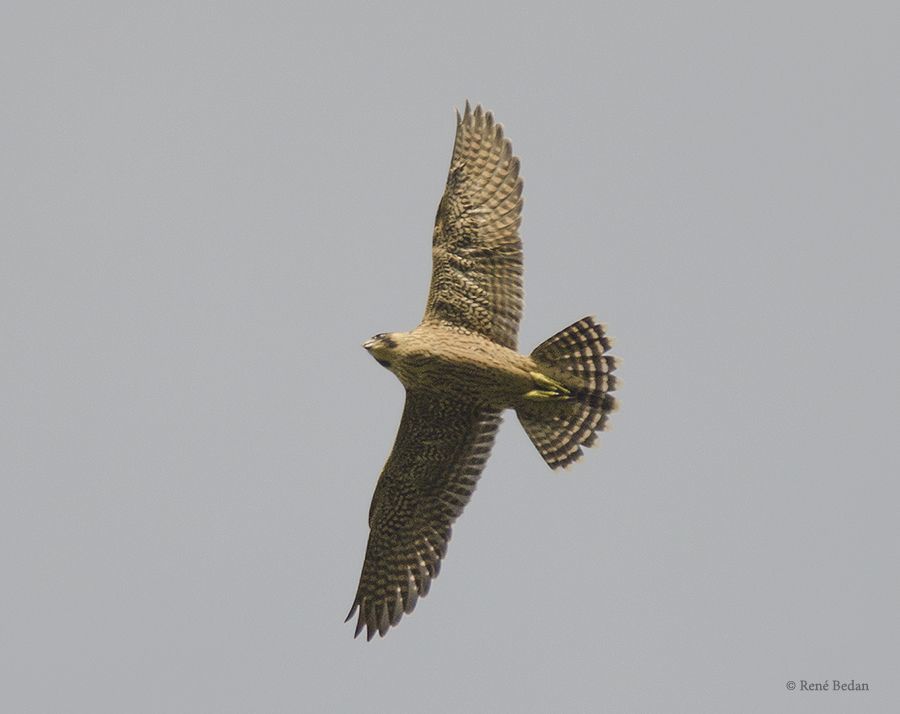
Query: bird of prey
[[461, 369]]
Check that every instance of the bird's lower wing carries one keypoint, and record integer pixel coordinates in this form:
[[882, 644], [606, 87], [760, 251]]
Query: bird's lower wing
[[439, 453]]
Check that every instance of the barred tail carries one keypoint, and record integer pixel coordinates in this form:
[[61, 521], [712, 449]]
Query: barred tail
[[561, 423]]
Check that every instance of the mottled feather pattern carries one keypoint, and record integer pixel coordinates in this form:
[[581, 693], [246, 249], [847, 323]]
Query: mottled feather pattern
[[476, 282], [559, 430], [440, 451]]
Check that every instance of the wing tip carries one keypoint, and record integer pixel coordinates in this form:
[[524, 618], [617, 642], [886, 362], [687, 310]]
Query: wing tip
[[352, 610], [379, 617]]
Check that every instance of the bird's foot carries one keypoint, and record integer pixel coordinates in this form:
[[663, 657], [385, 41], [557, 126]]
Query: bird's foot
[[548, 388]]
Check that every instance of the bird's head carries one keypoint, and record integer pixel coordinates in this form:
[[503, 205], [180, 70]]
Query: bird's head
[[382, 347]]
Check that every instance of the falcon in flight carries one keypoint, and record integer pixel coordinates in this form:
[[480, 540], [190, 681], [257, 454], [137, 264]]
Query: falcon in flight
[[461, 369]]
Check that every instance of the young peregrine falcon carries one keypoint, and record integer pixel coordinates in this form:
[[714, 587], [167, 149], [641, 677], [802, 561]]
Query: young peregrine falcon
[[461, 369]]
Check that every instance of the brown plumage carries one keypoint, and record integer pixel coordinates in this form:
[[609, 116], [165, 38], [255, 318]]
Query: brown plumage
[[461, 369]]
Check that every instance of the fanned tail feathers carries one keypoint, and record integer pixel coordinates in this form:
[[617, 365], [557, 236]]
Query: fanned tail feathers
[[577, 358]]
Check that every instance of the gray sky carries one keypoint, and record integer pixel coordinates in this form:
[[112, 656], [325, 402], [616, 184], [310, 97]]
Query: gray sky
[[208, 209]]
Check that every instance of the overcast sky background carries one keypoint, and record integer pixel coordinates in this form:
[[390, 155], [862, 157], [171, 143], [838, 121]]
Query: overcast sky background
[[207, 209]]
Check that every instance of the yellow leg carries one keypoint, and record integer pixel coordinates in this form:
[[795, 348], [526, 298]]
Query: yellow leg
[[541, 394], [551, 389]]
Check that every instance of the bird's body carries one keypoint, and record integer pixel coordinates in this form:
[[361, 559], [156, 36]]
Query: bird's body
[[460, 365], [461, 369]]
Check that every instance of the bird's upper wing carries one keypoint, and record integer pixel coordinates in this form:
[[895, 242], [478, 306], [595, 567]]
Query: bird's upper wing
[[476, 279], [439, 453]]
